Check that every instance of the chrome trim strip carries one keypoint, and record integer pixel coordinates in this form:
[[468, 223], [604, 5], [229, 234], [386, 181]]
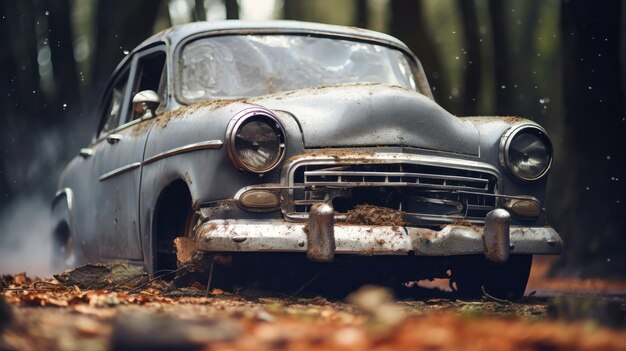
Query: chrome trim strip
[[503, 196], [394, 174], [390, 184], [114, 138], [69, 195], [86, 152], [297, 217], [210, 144], [120, 170]]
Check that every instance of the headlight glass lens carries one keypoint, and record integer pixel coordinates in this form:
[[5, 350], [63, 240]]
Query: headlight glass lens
[[530, 154], [258, 144]]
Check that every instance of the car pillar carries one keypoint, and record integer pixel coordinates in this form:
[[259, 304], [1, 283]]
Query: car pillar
[[320, 233], [496, 235]]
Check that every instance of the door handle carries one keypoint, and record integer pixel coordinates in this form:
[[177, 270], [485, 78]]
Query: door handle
[[86, 152], [114, 138]]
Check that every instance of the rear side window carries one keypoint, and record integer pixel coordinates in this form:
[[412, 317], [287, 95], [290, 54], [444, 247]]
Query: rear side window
[[115, 100]]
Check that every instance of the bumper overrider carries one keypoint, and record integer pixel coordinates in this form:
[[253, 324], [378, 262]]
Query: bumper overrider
[[321, 238]]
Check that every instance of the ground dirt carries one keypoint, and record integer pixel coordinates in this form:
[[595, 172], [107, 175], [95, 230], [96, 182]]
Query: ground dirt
[[137, 314]]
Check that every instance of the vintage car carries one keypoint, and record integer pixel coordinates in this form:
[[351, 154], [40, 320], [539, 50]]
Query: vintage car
[[306, 141]]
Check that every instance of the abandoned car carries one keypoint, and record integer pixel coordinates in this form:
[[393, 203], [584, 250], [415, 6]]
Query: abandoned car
[[315, 141]]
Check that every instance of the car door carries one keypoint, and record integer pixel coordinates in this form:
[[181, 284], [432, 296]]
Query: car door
[[118, 155]]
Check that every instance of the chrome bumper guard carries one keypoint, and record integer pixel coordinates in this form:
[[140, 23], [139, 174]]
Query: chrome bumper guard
[[496, 239]]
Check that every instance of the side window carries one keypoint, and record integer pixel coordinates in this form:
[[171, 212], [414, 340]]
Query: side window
[[114, 104], [151, 75]]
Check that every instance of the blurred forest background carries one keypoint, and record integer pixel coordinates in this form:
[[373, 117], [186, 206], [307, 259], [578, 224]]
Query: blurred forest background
[[560, 63]]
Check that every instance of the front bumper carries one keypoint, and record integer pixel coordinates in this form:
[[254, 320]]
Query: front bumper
[[238, 235]]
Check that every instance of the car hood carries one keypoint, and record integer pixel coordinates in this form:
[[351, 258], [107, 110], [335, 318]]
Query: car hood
[[373, 115]]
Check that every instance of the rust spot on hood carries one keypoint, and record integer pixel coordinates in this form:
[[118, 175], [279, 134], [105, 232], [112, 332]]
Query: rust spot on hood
[[280, 95], [491, 119], [216, 104], [334, 153], [164, 119], [514, 119]]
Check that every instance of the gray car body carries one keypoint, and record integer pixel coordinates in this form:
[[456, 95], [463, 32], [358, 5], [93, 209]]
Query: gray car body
[[108, 195]]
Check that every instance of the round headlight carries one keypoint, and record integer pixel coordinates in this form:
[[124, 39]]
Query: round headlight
[[526, 152], [256, 141]]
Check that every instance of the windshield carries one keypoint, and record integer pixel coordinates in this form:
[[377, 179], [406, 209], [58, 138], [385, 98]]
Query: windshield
[[255, 65]]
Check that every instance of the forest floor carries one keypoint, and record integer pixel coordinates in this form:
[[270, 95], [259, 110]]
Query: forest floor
[[556, 314]]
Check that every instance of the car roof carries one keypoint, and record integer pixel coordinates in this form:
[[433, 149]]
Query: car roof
[[178, 33]]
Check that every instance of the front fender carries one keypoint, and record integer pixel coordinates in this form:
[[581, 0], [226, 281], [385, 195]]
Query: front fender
[[208, 172]]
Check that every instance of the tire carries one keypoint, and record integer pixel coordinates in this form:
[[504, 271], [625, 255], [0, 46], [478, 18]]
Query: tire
[[501, 280], [62, 255], [173, 214]]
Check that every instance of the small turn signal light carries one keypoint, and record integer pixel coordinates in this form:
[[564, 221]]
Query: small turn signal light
[[528, 208], [259, 199]]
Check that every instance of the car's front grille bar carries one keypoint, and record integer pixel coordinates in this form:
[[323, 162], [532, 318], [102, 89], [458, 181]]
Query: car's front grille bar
[[425, 193], [405, 178], [393, 184]]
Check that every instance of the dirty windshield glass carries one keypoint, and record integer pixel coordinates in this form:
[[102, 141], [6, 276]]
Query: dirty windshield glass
[[254, 65]]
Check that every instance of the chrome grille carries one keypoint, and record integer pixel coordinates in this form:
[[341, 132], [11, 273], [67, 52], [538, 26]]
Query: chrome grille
[[427, 194]]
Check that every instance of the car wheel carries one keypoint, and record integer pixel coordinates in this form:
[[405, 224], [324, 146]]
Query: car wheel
[[172, 213], [506, 280], [61, 247]]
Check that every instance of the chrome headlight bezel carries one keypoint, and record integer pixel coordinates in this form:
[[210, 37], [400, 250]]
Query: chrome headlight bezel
[[505, 145], [238, 122]]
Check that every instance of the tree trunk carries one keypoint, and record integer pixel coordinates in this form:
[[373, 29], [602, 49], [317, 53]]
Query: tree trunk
[[120, 26], [232, 9], [6, 104], [8, 83], [594, 138], [27, 97], [472, 73], [23, 117], [408, 25], [524, 54], [199, 11], [62, 55], [502, 58], [292, 10], [361, 17]]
